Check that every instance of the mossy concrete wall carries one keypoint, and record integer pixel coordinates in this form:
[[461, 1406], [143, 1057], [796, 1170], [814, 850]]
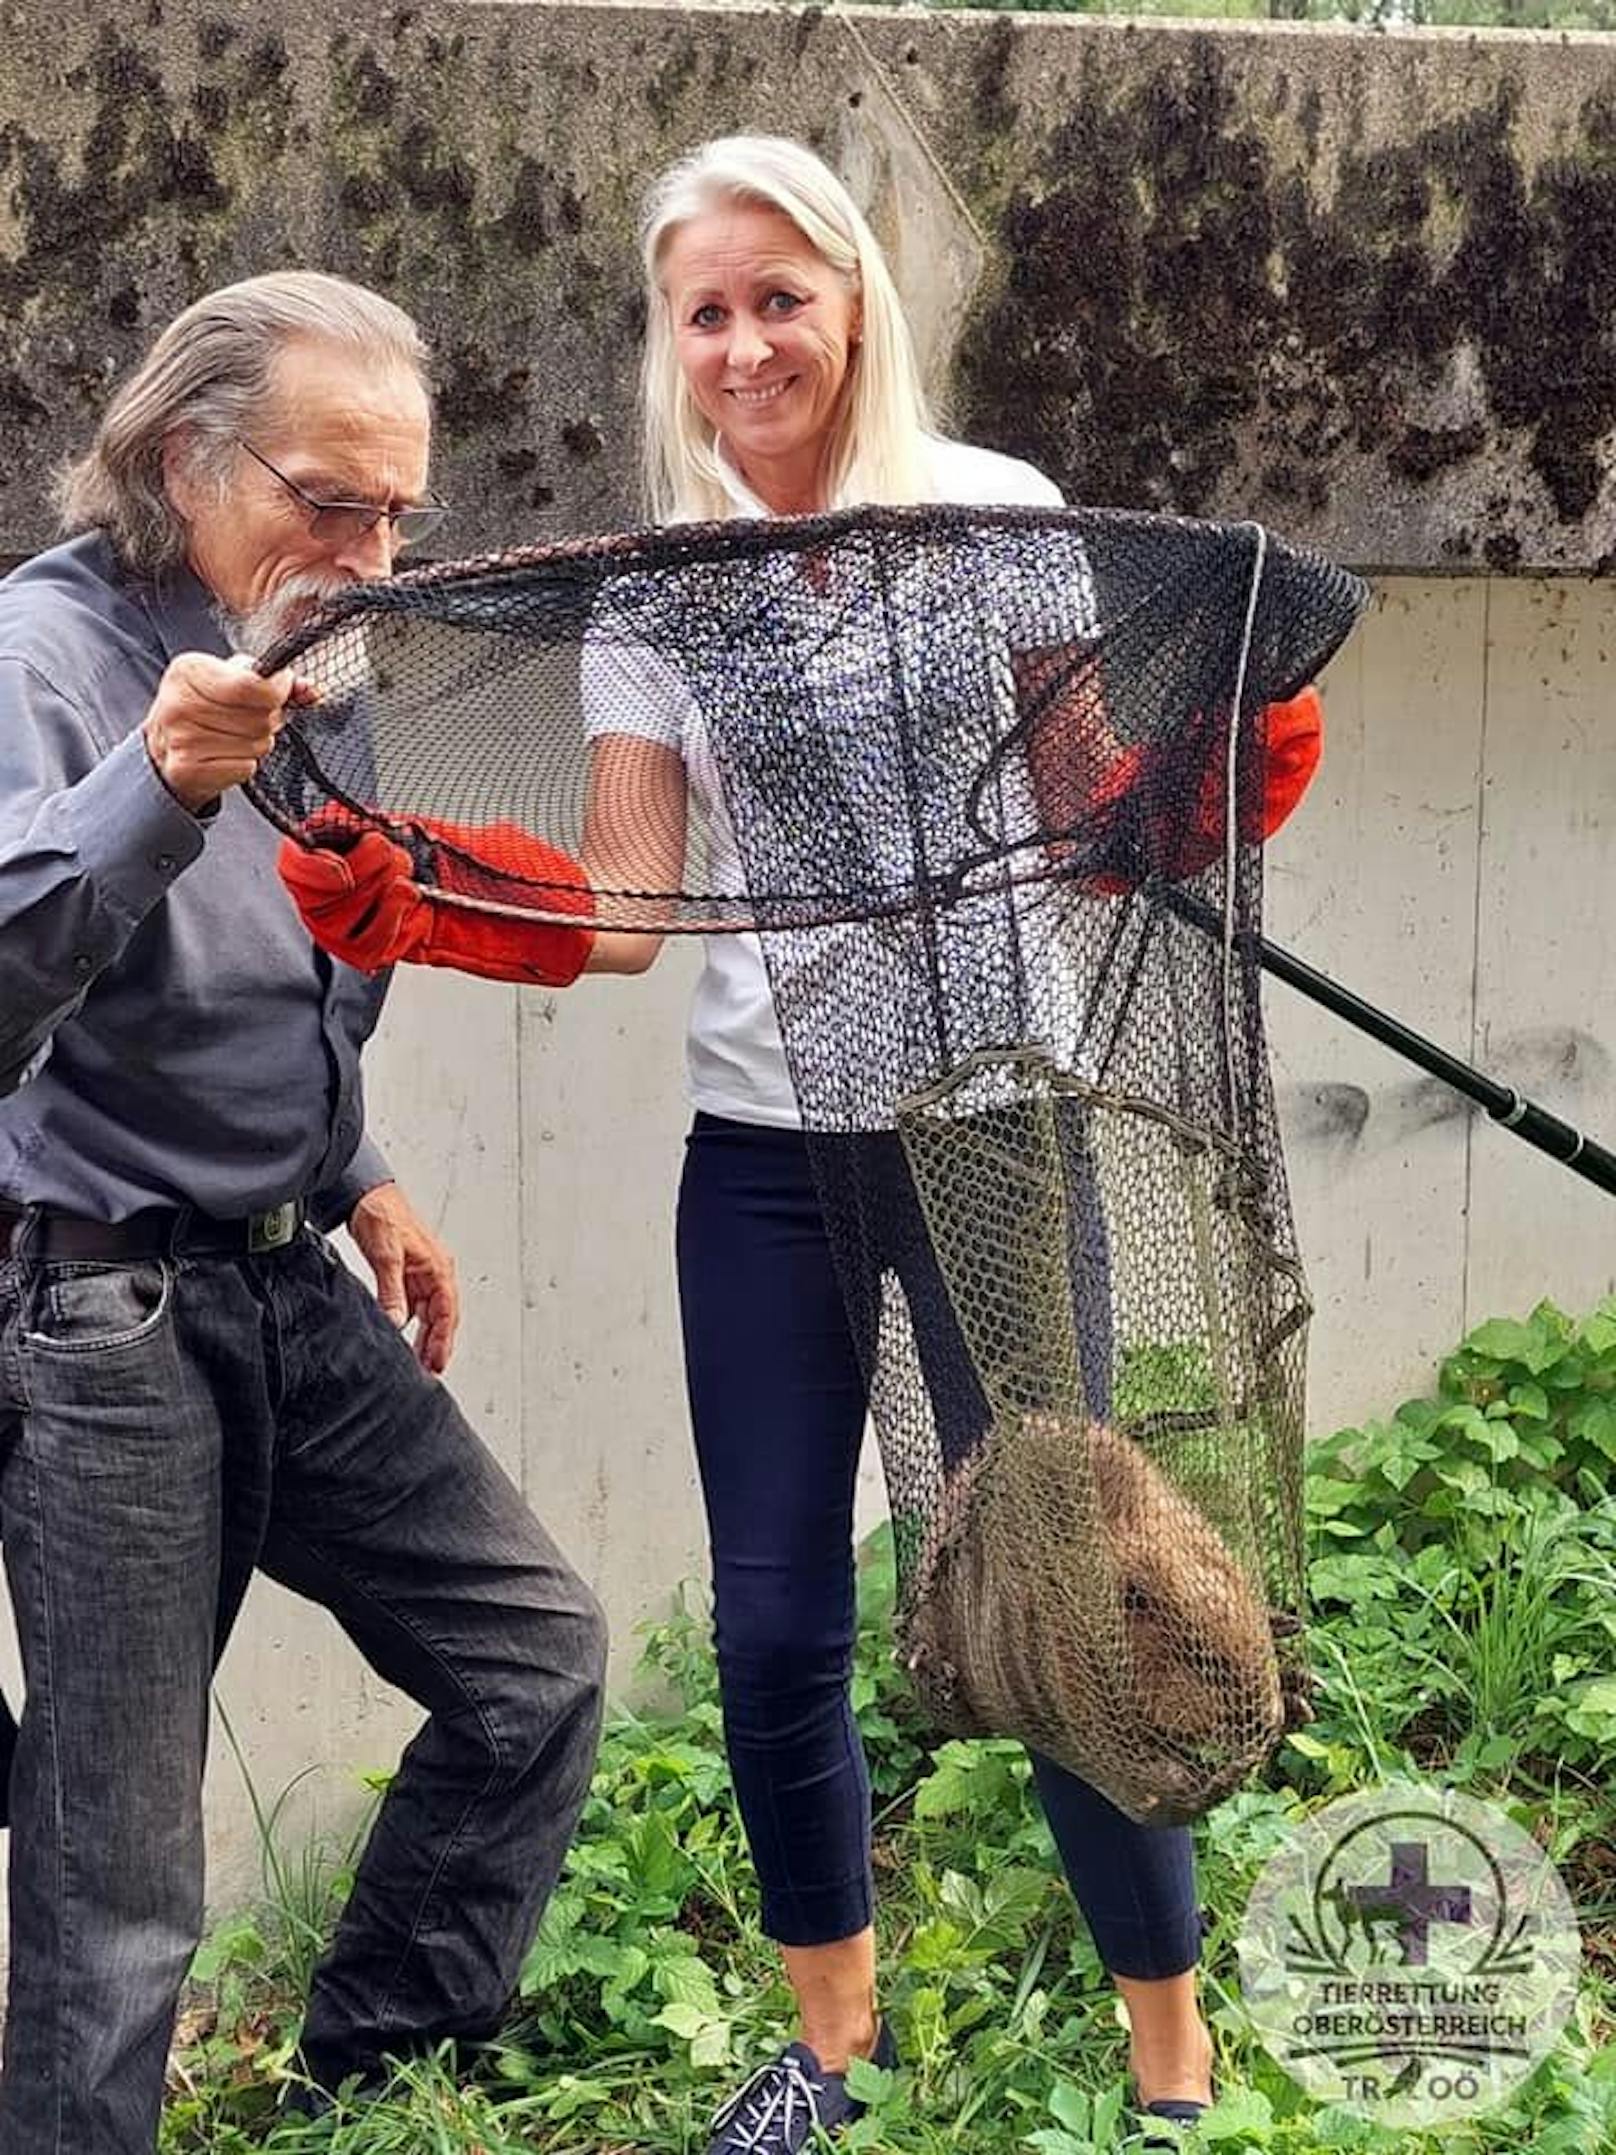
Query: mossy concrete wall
[[1362, 287]]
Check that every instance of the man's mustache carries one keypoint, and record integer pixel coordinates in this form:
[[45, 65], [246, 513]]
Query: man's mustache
[[283, 611]]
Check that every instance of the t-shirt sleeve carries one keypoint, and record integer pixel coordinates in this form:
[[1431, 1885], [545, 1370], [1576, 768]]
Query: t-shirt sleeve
[[626, 686], [1033, 489], [1038, 584], [1035, 583]]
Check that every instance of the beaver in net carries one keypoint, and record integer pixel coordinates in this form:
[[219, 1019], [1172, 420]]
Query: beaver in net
[[1069, 1595]]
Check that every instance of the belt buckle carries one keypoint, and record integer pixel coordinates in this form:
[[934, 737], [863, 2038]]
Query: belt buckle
[[272, 1230]]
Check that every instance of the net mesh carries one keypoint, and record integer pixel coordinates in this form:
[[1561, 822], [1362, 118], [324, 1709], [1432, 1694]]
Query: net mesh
[[988, 788]]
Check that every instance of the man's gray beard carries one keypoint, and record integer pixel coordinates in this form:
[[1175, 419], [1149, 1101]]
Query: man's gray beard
[[284, 610]]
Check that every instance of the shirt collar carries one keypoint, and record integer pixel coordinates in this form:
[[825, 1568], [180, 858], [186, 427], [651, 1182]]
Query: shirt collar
[[181, 610], [741, 497]]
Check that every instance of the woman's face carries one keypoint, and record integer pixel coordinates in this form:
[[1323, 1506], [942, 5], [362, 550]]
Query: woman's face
[[765, 331]]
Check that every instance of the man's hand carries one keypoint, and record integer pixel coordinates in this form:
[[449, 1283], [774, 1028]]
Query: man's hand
[[212, 722], [415, 1275]]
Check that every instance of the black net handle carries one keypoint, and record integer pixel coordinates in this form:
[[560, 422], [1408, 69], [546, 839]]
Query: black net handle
[[1510, 1109]]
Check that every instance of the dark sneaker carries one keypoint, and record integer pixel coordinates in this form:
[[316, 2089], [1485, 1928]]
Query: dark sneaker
[[1171, 2111], [790, 2100]]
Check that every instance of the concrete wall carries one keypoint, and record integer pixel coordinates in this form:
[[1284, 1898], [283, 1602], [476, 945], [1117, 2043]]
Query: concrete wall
[[1453, 863], [1360, 287]]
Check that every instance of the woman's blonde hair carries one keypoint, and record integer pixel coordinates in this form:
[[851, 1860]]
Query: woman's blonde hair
[[878, 452], [211, 372]]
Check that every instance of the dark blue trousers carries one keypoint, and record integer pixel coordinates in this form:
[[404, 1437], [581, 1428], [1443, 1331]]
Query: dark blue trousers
[[778, 1401]]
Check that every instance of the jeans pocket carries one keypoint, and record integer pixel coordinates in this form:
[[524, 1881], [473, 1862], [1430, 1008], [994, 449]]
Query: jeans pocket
[[91, 1308], [11, 1389]]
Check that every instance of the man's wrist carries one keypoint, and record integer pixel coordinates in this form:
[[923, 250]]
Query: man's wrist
[[335, 1205], [203, 810]]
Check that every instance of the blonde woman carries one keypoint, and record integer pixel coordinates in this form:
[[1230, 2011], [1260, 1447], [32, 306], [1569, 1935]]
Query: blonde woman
[[779, 380]]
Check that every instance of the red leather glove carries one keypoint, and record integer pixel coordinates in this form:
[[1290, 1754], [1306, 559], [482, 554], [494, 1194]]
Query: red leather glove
[[1294, 744], [360, 900], [1293, 735]]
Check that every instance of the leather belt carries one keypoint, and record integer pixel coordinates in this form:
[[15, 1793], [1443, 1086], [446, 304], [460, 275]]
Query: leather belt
[[159, 1231]]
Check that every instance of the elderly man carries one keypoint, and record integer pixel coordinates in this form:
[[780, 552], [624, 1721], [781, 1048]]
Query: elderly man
[[191, 1384]]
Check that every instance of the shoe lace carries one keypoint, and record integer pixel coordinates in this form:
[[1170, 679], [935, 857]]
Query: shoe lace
[[778, 2096]]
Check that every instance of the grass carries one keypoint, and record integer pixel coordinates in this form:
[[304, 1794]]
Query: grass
[[1464, 1556]]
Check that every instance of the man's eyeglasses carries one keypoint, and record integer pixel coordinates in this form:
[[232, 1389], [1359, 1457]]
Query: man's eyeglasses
[[343, 521]]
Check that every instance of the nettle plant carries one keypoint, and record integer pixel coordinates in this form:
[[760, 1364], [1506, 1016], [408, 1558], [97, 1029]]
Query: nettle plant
[[1521, 1407], [1464, 1562]]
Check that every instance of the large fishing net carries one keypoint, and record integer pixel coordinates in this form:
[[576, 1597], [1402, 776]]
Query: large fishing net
[[988, 786]]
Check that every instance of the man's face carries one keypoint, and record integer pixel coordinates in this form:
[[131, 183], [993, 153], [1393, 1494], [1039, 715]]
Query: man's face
[[340, 431]]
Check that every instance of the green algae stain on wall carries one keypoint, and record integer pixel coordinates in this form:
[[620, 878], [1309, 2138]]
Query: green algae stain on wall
[[122, 195], [1184, 322], [1237, 273]]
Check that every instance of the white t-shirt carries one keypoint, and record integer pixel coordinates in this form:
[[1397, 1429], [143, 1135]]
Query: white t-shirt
[[735, 1057]]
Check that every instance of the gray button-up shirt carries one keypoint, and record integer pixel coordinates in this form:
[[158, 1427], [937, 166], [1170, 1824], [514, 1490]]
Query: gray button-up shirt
[[168, 1033]]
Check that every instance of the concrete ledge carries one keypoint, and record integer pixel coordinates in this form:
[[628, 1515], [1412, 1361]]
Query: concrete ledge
[[1362, 287]]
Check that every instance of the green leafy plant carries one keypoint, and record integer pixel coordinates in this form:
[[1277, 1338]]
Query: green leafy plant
[[1464, 1625], [1521, 1408]]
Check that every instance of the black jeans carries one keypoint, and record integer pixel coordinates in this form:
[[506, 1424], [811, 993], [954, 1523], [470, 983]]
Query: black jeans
[[173, 1424], [777, 1401]]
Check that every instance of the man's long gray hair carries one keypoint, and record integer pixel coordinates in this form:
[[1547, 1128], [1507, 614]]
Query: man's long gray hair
[[211, 373]]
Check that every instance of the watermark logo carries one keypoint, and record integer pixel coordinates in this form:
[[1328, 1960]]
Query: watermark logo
[[1410, 1953]]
